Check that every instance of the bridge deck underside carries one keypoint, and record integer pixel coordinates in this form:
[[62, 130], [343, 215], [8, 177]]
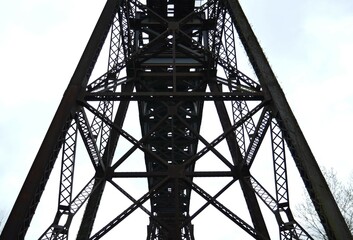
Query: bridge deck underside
[[170, 126]]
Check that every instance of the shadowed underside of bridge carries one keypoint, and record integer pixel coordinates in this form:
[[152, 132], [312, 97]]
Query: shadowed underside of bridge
[[172, 59]]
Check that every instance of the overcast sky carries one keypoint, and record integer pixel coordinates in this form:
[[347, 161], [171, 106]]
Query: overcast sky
[[309, 45]]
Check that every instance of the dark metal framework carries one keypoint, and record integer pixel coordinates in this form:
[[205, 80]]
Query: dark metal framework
[[172, 57]]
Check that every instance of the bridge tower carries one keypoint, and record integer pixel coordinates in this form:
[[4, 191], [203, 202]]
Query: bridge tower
[[171, 127]]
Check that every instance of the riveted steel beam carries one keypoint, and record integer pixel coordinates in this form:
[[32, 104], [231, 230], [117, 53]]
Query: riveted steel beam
[[325, 205]]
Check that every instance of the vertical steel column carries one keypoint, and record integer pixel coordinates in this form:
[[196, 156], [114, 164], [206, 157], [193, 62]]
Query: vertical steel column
[[94, 200], [33, 187], [248, 191], [314, 181]]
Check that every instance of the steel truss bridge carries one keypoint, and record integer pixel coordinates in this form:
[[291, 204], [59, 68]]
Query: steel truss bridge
[[174, 59]]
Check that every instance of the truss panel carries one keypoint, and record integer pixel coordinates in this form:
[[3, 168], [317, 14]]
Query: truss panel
[[168, 60]]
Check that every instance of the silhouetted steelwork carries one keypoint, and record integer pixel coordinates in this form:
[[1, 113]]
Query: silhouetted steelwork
[[172, 57]]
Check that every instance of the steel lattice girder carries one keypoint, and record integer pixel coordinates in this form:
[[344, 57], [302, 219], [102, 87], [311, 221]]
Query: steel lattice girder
[[167, 56]]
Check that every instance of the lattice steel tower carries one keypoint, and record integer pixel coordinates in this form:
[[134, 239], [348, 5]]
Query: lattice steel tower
[[202, 125]]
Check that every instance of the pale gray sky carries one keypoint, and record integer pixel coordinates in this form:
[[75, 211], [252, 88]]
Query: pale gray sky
[[309, 46]]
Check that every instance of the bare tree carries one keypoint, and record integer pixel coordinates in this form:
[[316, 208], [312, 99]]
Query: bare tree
[[343, 194]]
